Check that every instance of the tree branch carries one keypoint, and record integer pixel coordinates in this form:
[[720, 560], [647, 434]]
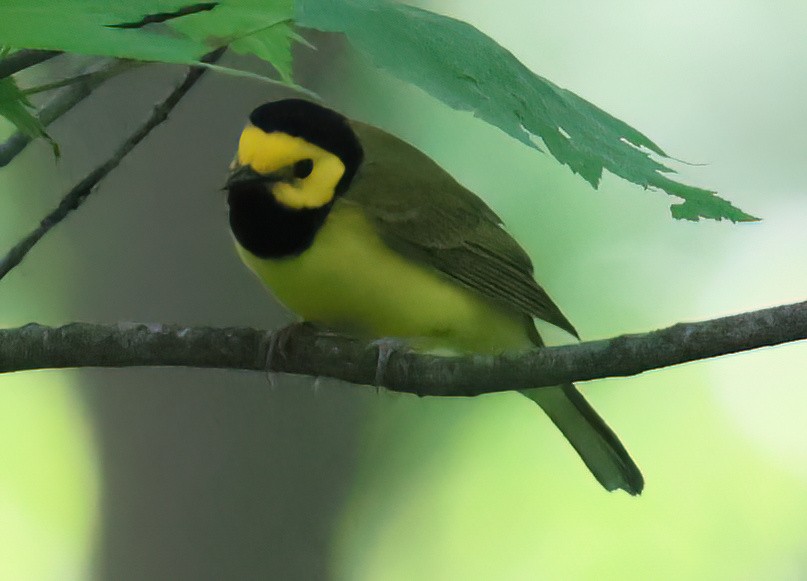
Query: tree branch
[[301, 349], [94, 73], [79, 193], [65, 99], [22, 59]]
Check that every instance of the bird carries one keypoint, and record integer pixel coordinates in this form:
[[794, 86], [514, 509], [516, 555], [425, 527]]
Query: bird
[[357, 231]]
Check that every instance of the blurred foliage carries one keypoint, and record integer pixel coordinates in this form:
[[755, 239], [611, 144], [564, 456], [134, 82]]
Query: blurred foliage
[[49, 481], [49, 473]]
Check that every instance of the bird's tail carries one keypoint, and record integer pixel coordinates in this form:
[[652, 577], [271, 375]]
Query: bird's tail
[[588, 433]]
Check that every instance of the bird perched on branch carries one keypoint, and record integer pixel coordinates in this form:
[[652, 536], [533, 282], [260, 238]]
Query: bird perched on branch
[[356, 230]]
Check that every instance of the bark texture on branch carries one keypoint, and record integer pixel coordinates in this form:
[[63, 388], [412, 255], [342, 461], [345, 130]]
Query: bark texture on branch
[[302, 349]]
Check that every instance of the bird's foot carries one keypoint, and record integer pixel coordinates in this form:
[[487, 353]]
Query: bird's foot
[[386, 346], [278, 342]]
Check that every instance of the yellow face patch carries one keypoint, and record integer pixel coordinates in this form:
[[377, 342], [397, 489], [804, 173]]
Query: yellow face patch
[[270, 152]]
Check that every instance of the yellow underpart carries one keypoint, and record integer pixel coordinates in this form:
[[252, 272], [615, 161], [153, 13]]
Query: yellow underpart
[[350, 280], [269, 152]]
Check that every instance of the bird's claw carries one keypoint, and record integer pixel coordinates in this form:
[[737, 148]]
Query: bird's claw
[[278, 341], [386, 347]]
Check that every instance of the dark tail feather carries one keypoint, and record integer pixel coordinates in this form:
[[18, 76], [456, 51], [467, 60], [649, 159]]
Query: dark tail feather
[[588, 433]]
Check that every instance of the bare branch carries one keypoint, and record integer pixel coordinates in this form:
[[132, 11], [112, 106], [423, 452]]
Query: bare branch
[[80, 88], [99, 71], [301, 349], [79, 193], [22, 59]]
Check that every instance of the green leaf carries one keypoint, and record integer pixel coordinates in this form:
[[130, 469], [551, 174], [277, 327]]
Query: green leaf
[[132, 30], [456, 63], [15, 107], [84, 26], [259, 27]]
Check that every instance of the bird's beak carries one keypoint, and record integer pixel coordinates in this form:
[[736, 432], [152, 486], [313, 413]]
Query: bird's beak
[[244, 174]]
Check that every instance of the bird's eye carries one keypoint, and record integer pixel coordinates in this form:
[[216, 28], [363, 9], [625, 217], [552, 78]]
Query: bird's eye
[[302, 169]]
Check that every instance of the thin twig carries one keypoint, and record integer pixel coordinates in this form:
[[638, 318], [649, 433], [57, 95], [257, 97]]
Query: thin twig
[[301, 349], [79, 193], [92, 75], [80, 88], [22, 59]]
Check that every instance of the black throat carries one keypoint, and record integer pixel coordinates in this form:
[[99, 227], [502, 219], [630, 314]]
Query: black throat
[[268, 229]]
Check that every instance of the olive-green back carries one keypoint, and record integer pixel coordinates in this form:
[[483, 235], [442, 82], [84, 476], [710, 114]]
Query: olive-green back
[[423, 213]]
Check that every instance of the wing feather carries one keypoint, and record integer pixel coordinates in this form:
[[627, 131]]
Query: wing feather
[[426, 215]]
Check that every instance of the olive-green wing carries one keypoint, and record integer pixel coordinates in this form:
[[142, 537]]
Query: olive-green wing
[[423, 213]]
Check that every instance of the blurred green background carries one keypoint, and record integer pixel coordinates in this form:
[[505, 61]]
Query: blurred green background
[[187, 474]]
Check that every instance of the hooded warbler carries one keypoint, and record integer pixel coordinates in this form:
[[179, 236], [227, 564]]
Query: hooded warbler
[[356, 230]]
